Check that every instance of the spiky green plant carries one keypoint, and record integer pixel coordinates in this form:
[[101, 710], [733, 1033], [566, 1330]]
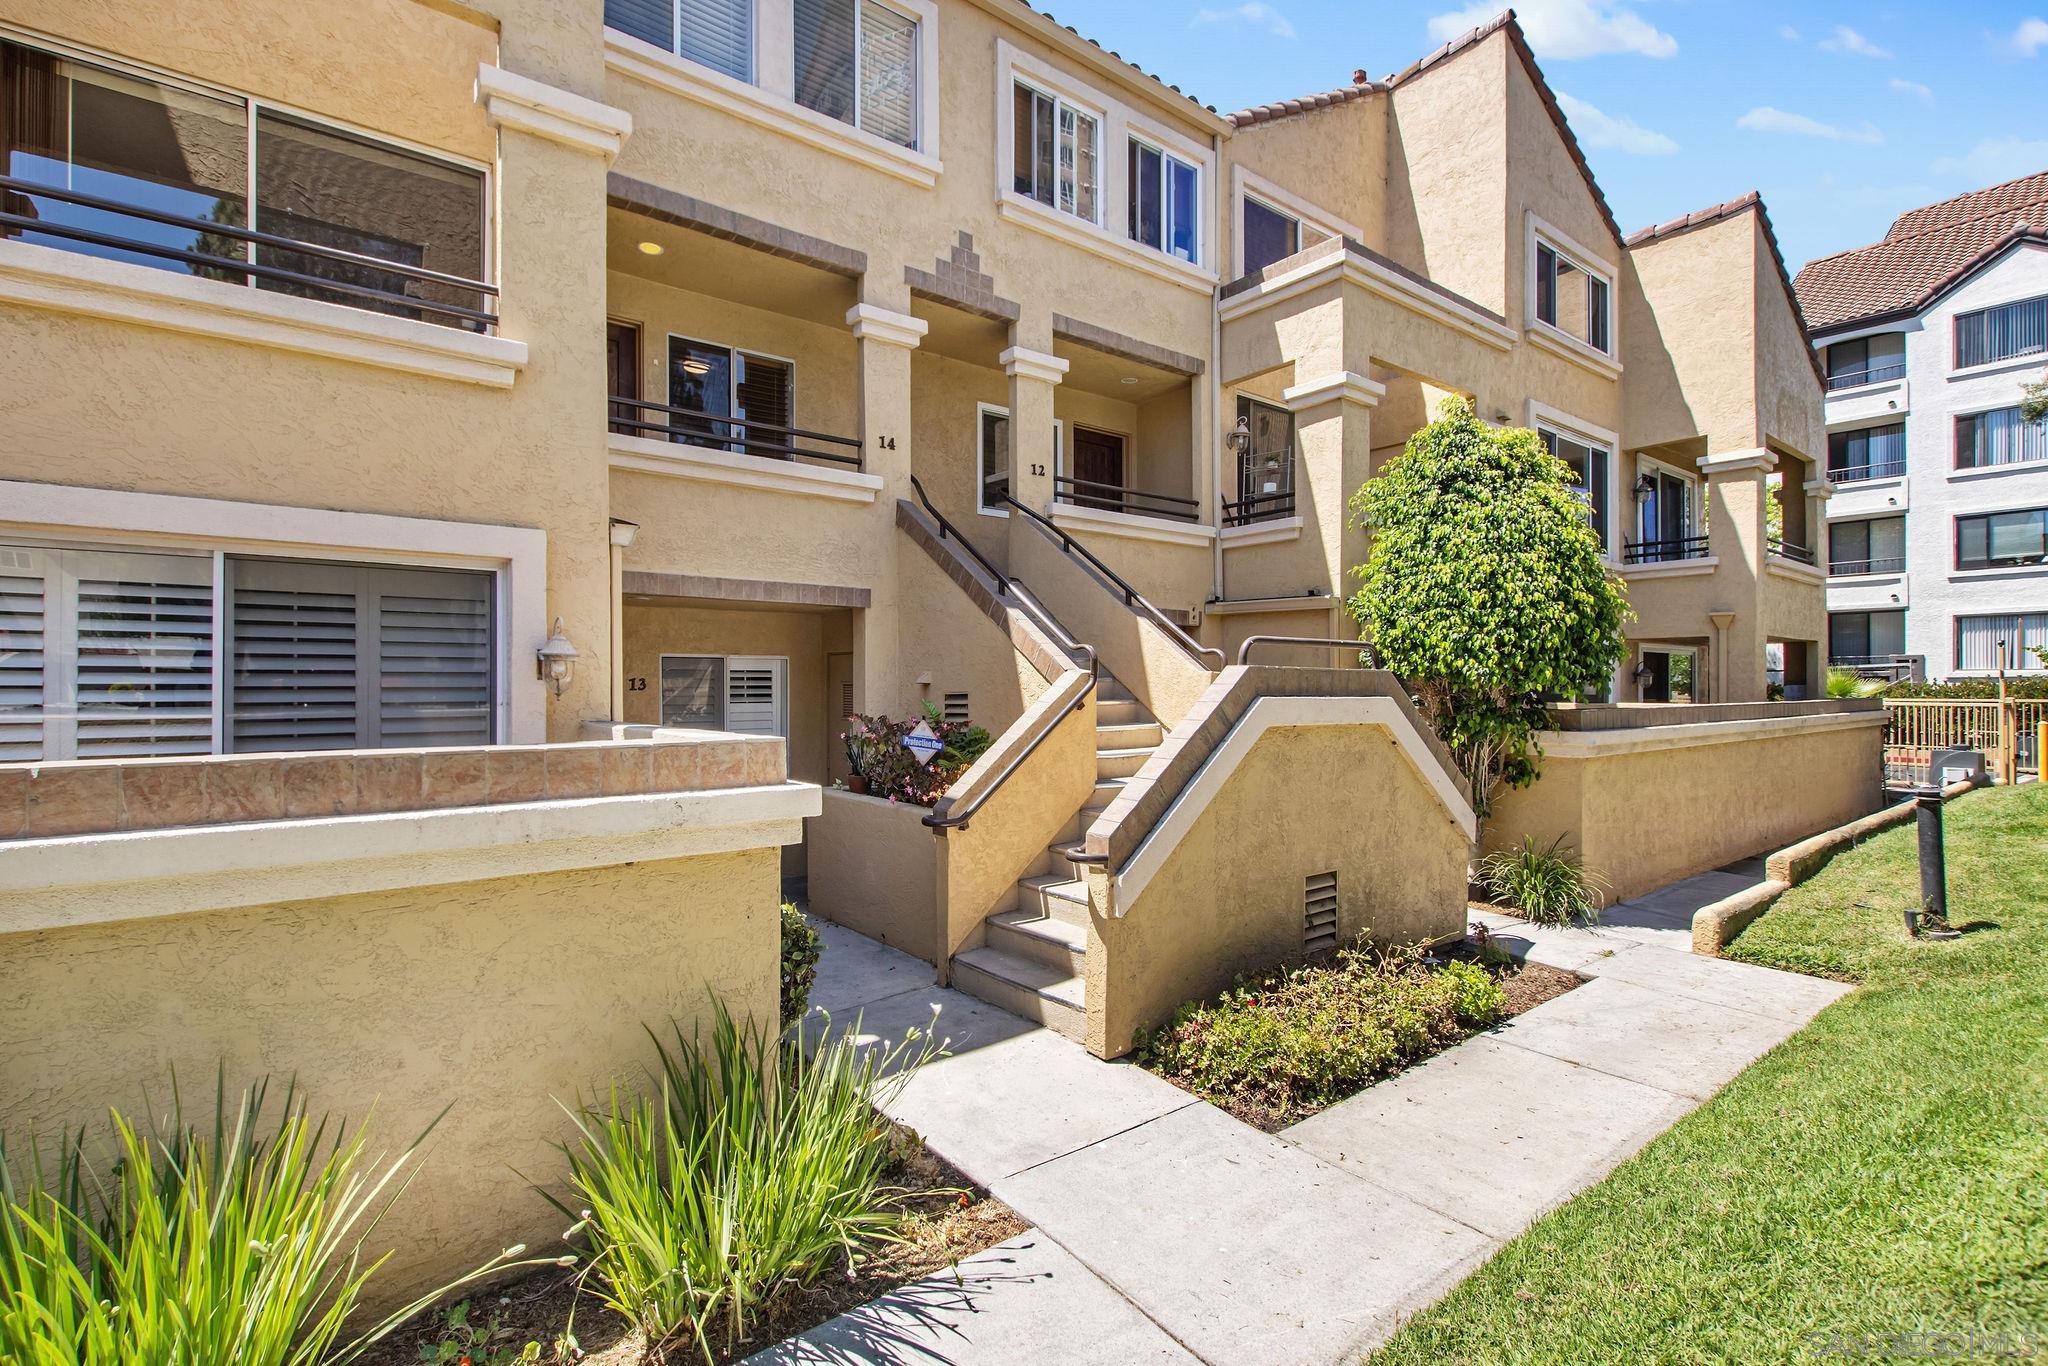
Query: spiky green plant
[[1548, 885], [1849, 683], [242, 1246], [754, 1167]]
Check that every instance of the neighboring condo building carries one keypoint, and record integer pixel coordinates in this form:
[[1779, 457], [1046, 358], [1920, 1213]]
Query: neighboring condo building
[[1939, 520]]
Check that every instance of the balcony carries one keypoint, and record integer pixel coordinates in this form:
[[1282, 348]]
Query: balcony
[[713, 431], [1790, 550], [1254, 508], [1131, 502], [1664, 552], [1857, 474], [1890, 564], [116, 228], [1869, 374]]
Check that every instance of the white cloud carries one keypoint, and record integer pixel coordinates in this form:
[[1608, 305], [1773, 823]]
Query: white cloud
[[1764, 119], [1848, 40], [1913, 88], [1566, 28], [1998, 159], [2030, 37], [1788, 33], [1598, 129], [1251, 12]]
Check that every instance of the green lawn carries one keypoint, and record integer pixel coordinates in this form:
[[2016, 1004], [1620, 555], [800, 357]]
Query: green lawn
[[1884, 1172]]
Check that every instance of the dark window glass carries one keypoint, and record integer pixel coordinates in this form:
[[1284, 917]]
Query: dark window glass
[[1269, 236], [316, 185], [1873, 546], [1265, 472], [1849, 357], [1148, 209], [763, 389], [700, 379], [1869, 453], [824, 57], [1546, 284], [1596, 313], [1866, 637], [2002, 540], [1183, 206], [1999, 438], [1033, 145], [75, 126], [1589, 476]]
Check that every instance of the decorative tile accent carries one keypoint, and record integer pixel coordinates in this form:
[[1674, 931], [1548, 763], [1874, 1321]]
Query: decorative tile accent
[[574, 772], [515, 775], [73, 800], [314, 787], [156, 795], [453, 777], [13, 802]]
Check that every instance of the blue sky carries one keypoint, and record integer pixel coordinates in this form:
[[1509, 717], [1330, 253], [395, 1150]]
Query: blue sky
[[1843, 115]]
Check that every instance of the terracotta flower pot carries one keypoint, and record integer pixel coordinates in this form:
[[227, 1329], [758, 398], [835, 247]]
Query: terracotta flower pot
[[856, 783]]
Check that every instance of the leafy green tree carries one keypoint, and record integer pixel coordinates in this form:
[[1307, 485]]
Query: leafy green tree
[[1486, 590], [2034, 400]]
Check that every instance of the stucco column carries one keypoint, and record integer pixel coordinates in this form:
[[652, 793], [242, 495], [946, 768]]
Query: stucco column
[[622, 537], [1736, 537], [1333, 434], [1034, 456], [886, 338], [554, 148]]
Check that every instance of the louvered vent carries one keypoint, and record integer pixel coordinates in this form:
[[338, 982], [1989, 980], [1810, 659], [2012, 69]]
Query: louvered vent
[[21, 658], [295, 670], [1319, 913], [846, 699], [955, 708], [434, 664], [145, 666]]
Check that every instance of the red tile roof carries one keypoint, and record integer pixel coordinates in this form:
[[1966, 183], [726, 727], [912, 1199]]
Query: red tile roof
[[1926, 251]]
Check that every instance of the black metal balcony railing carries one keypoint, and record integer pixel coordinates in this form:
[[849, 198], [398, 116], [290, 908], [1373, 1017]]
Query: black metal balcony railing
[[723, 432], [1891, 564], [1856, 474], [1869, 374], [1258, 507], [1116, 498], [1659, 552], [1790, 550], [403, 301]]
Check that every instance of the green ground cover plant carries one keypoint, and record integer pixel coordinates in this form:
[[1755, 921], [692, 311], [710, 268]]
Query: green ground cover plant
[[1286, 1042], [1872, 1188]]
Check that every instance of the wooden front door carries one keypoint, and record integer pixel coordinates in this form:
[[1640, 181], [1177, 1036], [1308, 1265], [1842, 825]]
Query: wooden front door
[[1098, 469], [622, 373]]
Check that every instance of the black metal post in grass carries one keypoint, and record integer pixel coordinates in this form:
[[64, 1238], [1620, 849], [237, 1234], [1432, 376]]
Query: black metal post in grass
[[1933, 869]]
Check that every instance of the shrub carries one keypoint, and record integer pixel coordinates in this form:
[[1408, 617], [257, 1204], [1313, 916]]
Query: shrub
[[242, 1245], [1547, 885], [2016, 685], [1298, 1038], [801, 949], [875, 753], [1849, 683], [1486, 589], [754, 1169]]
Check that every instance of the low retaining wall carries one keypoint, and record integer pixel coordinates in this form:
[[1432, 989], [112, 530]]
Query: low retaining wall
[[1655, 794], [873, 868], [489, 960]]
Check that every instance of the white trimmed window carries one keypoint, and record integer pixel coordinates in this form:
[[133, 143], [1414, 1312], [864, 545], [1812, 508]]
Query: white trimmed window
[[1573, 295], [992, 480], [856, 61], [746, 694], [1269, 234], [1056, 152], [1592, 467], [111, 653], [1165, 202], [1978, 642]]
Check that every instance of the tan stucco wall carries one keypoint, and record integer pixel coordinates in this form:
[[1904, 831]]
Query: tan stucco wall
[[1305, 800], [950, 638], [1690, 303], [1447, 196], [1645, 818], [872, 869], [501, 996], [1334, 158]]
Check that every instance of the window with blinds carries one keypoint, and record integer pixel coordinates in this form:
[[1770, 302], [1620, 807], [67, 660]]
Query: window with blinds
[[1999, 437], [1978, 641], [856, 61], [109, 654], [743, 693], [2002, 333], [714, 33]]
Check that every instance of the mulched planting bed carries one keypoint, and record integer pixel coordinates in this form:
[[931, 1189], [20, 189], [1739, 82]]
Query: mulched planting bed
[[950, 1219], [1277, 1048]]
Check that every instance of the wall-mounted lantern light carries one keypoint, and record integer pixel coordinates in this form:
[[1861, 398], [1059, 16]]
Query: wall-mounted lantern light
[[556, 661], [1644, 674], [1240, 438], [1645, 486]]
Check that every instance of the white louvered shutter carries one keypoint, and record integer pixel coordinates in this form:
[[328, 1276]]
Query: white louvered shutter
[[754, 695], [295, 655], [434, 661], [143, 640], [23, 598]]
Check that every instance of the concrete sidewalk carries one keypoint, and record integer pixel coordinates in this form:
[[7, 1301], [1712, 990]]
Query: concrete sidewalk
[[1168, 1231]]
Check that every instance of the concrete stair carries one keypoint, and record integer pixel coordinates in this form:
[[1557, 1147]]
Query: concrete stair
[[1032, 959]]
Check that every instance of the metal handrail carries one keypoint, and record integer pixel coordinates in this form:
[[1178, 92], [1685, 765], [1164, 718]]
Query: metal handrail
[[1869, 374], [944, 815], [1362, 647], [1183, 509], [1879, 469], [1887, 564], [1245, 510], [747, 443], [946, 529], [1659, 552], [1789, 550], [1132, 597], [240, 266]]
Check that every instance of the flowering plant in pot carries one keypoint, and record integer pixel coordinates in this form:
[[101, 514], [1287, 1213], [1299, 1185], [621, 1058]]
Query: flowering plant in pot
[[883, 767]]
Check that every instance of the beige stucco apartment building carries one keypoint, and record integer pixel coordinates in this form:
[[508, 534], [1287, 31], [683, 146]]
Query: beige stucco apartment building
[[782, 359]]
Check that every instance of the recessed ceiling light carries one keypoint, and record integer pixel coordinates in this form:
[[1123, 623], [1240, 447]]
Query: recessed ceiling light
[[652, 248], [1130, 379]]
